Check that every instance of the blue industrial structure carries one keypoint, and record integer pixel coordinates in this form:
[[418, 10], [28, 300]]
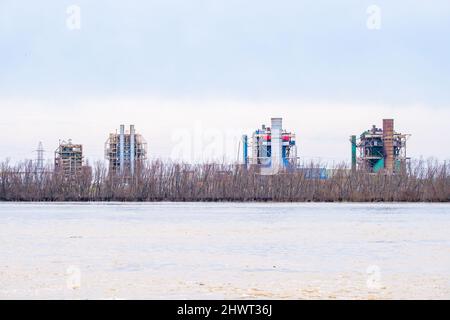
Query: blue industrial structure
[[271, 147]]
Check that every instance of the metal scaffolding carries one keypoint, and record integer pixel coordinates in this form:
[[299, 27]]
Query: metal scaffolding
[[125, 151], [380, 149], [271, 147], [40, 158], [69, 158]]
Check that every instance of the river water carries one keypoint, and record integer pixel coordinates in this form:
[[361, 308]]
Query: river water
[[223, 250]]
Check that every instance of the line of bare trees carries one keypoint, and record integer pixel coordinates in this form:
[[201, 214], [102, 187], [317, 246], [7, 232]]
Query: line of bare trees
[[157, 181]]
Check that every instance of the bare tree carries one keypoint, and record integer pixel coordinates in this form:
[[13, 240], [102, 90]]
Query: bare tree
[[157, 181]]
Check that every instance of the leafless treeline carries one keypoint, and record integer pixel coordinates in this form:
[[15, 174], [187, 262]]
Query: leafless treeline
[[157, 181]]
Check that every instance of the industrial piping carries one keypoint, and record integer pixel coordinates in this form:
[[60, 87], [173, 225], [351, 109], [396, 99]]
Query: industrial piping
[[353, 141], [244, 149]]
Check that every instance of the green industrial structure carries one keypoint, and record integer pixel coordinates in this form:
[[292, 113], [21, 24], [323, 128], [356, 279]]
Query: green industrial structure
[[379, 149]]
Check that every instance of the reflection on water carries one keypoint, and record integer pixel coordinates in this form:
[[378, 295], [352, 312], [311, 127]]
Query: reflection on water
[[210, 250]]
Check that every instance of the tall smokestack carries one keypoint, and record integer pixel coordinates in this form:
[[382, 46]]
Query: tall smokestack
[[388, 140], [276, 149], [122, 148], [132, 149]]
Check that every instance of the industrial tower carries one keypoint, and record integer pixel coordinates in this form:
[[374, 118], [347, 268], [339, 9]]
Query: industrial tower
[[69, 158], [40, 158], [125, 151], [379, 149], [271, 147]]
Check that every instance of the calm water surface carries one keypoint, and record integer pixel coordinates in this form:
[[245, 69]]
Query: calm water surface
[[197, 250]]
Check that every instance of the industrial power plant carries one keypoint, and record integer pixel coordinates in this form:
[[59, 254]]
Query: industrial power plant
[[380, 149], [125, 151], [271, 146], [269, 149], [268, 167], [68, 158]]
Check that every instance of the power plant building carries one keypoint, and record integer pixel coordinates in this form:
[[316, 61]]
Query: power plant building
[[125, 151], [69, 158], [270, 147], [379, 149]]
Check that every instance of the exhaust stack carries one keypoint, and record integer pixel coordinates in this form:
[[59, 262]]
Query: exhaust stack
[[388, 139], [276, 150]]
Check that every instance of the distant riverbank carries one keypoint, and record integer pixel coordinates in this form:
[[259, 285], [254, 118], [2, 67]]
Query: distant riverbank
[[158, 181]]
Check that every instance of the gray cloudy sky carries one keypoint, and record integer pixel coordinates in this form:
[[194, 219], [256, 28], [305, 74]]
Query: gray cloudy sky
[[193, 75]]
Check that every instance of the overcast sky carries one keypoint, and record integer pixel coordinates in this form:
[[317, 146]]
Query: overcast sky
[[193, 75]]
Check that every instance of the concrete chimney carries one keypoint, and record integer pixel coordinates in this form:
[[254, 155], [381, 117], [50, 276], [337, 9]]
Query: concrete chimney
[[388, 140], [276, 150], [132, 149], [122, 148]]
